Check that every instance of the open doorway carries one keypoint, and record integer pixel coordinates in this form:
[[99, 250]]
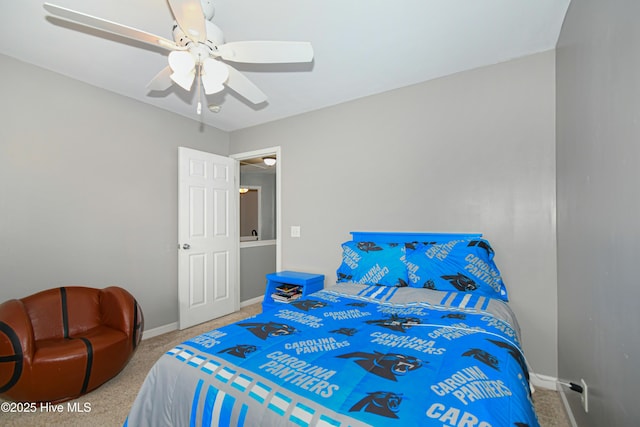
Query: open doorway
[[260, 251]]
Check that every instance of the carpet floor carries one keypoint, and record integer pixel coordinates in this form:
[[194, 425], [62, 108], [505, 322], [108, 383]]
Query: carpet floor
[[109, 405]]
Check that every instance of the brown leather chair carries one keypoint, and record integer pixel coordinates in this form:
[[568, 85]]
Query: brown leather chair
[[61, 343]]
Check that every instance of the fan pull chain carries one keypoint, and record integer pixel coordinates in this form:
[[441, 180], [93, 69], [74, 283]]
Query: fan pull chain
[[199, 107]]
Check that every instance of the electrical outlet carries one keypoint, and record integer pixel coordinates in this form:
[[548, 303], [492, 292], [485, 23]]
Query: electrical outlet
[[585, 395]]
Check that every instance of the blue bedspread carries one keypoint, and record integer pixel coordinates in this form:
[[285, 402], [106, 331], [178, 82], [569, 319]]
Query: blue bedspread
[[350, 355]]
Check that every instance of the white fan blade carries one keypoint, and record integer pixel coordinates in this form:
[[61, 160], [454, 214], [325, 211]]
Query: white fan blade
[[190, 18], [244, 87], [214, 75], [111, 27], [266, 52], [162, 80]]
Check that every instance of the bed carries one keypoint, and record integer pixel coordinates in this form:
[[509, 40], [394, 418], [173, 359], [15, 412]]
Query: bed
[[415, 332]]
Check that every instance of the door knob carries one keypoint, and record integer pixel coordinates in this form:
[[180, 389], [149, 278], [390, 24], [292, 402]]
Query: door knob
[[186, 246]]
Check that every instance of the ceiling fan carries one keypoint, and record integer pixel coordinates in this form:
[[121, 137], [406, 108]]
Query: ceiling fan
[[198, 51]]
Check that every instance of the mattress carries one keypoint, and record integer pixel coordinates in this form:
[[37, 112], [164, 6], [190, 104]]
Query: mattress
[[349, 355]]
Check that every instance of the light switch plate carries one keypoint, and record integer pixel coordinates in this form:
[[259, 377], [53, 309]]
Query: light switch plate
[[295, 231]]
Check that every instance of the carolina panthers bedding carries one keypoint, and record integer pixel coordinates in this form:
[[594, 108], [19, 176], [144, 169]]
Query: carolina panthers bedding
[[349, 355]]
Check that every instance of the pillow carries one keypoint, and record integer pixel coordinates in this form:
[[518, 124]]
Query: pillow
[[464, 265], [372, 263]]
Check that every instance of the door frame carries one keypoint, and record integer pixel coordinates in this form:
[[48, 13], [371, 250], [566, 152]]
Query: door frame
[[270, 151]]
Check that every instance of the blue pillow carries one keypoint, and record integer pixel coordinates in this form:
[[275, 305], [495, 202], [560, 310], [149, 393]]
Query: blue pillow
[[372, 263], [464, 265]]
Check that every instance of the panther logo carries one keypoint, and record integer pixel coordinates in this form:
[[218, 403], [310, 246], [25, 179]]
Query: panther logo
[[269, 330], [308, 304], [481, 244], [395, 323], [487, 358], [461, 282], [385, 403], [513, 352], [411, 245], [345, 331], [241, 350], [401, 283], [457, 316], [357, 304], [383, 365], [429, 284], [344, 277], [368, 247]]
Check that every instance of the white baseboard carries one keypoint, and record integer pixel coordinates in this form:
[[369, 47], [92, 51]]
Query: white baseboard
[[174, 326], [159, 330], [251, 301], [543, 381]]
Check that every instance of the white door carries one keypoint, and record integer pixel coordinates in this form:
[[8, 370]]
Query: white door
[[208, 282]]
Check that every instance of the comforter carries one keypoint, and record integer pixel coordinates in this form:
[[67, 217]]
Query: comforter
[[349, 355]]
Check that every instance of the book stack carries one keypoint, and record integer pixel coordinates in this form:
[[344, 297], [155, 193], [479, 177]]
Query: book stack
[[287, 293]]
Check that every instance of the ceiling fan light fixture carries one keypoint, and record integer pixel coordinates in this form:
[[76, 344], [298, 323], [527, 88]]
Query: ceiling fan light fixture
[[269, 161], [211, 85], [183, 66], [181, 61], [214, 75], [185, 81]]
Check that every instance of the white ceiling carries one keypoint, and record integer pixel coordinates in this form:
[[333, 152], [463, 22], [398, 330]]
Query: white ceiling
[[361, 47]]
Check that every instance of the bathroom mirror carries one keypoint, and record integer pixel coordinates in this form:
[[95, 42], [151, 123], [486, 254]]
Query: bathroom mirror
[[250, 213]]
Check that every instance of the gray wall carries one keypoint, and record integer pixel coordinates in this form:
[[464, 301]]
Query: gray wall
[[88, 189], [88, 182], [470, 152], [598, 149], [255, 263]]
